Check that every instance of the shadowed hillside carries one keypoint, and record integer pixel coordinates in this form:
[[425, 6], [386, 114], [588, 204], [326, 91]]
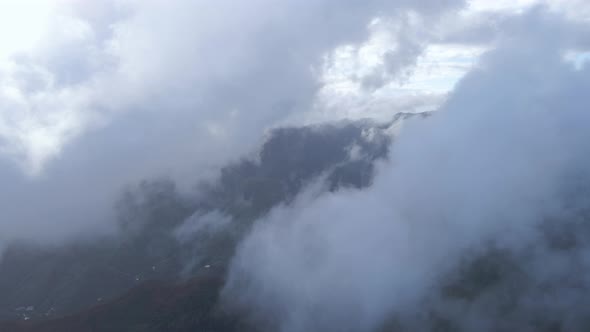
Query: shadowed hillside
[[45, 282]]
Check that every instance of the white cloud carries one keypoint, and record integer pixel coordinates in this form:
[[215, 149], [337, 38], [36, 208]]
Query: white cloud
[[100, 94], [114, 91], [400, 68], [510, 6], [503, 155], [23, 24]]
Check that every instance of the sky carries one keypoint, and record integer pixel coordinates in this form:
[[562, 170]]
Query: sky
[[96, 95]]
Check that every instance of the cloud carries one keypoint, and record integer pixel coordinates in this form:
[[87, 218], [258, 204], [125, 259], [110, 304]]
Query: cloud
[[109, 93], [95, 95], [503, 155]]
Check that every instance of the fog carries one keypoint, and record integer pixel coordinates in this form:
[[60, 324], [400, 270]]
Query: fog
[[117, 91], [489, 171], [475, 218]]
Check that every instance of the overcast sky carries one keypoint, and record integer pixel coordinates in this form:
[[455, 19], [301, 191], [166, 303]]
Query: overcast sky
[[97, 94]]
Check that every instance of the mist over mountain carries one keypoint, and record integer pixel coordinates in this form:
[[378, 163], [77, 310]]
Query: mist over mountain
[[169, 235], [295, 166]]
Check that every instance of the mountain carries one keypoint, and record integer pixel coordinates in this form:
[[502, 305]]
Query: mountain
[[39, 283], [151, 306], [166, 268]]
